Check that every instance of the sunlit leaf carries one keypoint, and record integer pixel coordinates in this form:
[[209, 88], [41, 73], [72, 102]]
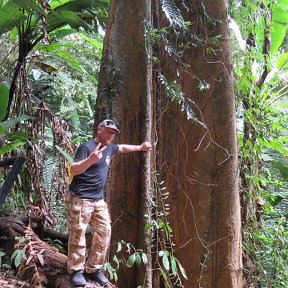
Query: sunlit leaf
[[282, 61], [10, 147], [183, 272], [148, 226], [144, 258], [119, 247], [165, 261], [279, 24]]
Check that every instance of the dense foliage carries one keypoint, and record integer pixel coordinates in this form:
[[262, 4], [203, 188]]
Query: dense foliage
[[260, 67]]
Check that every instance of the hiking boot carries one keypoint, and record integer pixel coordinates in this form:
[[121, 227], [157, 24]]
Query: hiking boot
[[77, 279], [99, 277]]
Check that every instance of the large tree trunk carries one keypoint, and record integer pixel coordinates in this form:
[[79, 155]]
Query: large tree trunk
[[198, 163], [124, 95]]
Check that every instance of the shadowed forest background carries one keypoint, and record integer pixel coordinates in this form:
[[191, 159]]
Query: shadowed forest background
[[204, 81]]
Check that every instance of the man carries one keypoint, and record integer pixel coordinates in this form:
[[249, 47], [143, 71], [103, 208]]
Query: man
[[86, 205]]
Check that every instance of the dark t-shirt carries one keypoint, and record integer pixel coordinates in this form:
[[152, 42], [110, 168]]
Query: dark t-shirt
[[90, 184]]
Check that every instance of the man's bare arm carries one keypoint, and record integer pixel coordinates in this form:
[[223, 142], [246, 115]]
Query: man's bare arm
[[126, 148]]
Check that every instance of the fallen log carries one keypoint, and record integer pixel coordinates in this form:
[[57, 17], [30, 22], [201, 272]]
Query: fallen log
[[43, 266]]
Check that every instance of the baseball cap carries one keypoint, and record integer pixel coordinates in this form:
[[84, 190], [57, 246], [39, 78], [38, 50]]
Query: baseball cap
[[108, 123]]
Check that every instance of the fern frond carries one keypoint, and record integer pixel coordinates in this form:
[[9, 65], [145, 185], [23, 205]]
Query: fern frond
[[174, 93], [173, 14]]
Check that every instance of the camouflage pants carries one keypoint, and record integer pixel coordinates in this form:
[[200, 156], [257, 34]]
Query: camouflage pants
[[82, 212]]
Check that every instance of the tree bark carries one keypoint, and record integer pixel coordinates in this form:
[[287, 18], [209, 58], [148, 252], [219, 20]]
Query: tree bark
[[198, 163], [125, 95]]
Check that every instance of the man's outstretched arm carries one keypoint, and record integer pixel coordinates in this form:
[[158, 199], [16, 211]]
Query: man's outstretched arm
[[126, 148]]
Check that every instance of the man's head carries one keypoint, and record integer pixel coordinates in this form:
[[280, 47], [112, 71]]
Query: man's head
[[107, 130], [108, 123]]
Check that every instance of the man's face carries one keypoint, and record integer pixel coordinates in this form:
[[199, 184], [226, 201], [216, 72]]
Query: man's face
[[105, 135]]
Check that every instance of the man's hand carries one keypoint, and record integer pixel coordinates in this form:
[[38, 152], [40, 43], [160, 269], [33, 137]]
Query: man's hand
[[146, 146], [79, 167], [97, 154]]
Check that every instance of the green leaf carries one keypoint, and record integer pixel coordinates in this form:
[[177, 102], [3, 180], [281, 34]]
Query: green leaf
[[131, 260], [95, 43], [13, 121], [10, 15], [173, 265], [12, 136], [282, 61], [56, 3], [282, 168], [56, 46], [279, 25], [75, 5], [119, 247], [17, 256], [137, 259], [116, 260], [86, 100], [148, 226], [70, 60], [20, 255], [275, 145], [183, 272], [167, 230], [13, 34], [278, 32], [93, 79], [28, 5], [274, 200], [1, 255], [65, 154], [63, 31], [165, 262], [62, 18], [4, 98], [10, 147]]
